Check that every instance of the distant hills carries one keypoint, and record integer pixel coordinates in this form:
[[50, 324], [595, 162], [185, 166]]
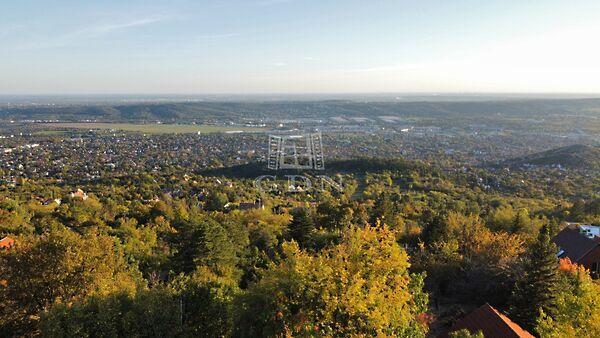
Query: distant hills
[[291, 109], [576, 156]]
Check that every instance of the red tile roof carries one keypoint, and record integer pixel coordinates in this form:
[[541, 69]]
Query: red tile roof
[[492, 323], [6, 242]]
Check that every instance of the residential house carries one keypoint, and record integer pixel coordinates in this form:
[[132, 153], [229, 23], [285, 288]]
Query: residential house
[[581, 244], [491, 323], [79, 194], [258, 204]]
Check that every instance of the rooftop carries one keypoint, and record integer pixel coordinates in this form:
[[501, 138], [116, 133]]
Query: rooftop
[[575, 241], [491, 323]]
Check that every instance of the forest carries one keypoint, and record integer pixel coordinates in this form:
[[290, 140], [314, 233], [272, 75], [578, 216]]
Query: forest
[[403, 250]]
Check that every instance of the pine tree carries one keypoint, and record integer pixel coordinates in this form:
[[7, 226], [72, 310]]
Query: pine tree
[[537, 289], [301, 227], [520, 222]]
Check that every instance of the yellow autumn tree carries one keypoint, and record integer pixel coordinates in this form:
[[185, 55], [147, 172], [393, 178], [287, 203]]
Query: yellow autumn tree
[[360, 287], [60, 266], [577, 305]]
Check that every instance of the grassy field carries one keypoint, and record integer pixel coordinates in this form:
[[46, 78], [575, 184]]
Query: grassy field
[[49, 132], [153, 128]]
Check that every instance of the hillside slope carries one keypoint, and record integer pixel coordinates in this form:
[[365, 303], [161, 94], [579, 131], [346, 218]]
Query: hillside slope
[[576, 156]]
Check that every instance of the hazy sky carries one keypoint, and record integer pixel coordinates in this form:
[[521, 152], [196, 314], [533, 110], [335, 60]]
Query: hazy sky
[[298, 46]]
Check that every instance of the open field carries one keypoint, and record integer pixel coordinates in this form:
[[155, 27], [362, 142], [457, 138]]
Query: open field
[[49, 132], [153, 128]]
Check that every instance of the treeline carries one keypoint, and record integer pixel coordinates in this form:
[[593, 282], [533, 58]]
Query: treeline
[[188, 111]]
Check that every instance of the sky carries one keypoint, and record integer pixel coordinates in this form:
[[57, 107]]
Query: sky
[[299, 46]]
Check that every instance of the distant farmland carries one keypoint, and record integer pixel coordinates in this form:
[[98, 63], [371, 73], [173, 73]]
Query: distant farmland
[[153, 128]]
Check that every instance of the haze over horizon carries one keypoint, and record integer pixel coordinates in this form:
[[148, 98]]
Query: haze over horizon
[[295, 46]]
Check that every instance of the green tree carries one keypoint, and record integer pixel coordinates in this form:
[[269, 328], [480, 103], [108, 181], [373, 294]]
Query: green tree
[[216, 201], [207, 303], [203, 241], [60, 266], [140, 244], [148, 313], [468, 260], [334, 217], [301, 227], [521, 223], [536, 290], [360, 287], [464, 333], [577, 312], [383, 210], [197, 305]]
